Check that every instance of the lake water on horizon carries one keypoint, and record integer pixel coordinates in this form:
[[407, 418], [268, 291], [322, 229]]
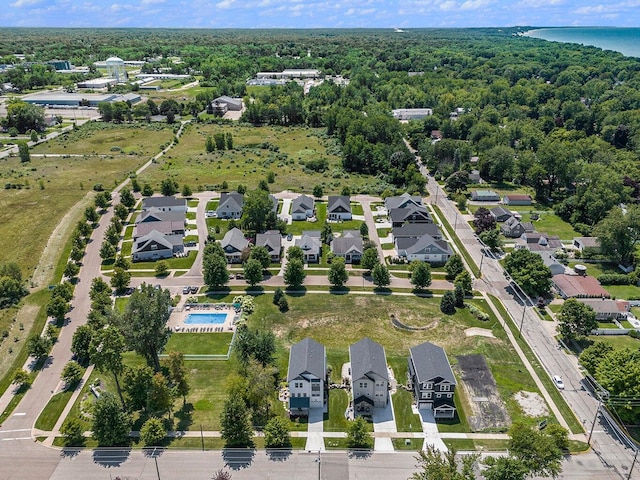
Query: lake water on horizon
[[623, 40]]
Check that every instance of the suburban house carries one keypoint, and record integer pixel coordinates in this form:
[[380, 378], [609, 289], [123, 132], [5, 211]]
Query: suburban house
[[501, 214], [539, 242], [550, 261], [402, 201], [586, 243], [417, 230], [302, 207], [474, 176], [607, 309], [165, 228], [432, 379], [436, 135], [307, 376], [369, 376], [272, 241], [233, 243], [514, 228], [425, 248], [156, 246], [578, 286], [311, 245], [517, 199], [339, 207], [485, 196], [348, 246], [165, 204], [223, 104], [156, 215], [230, 205], [409, 214]]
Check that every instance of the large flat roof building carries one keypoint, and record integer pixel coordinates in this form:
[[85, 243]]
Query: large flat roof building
[[78, 99], [411, 113]]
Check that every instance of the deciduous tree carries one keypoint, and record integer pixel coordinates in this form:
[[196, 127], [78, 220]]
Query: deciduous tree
[[111, 425], [294, 274], [276, 433], [236, 424], [252, 272], [153, 432], [338, 274], [358, 435], [576, 319], [436, 465], [483, 220], [454, 266], [420, 274], [529, 271], [381, 276], [106, 349]]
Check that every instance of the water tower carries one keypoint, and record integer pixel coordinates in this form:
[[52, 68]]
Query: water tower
[[115, 69]]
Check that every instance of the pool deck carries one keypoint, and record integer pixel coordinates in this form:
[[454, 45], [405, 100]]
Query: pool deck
[[179, 315]]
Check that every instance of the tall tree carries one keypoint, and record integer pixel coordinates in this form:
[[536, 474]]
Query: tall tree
[[576, 319], [23, 152], [294, 274], [420, 274], [252, 272], [369, 259], [381, 276], [535, 449], [214, 267], [111, 425], [127, 199], [529, 271], [483, 220], [145, 322], [454, 266], [106, 349], [256, 209], [236, 424], [338, 275], [261, 254], [178, 374], [436, 465], [276, 433], [619, 233]]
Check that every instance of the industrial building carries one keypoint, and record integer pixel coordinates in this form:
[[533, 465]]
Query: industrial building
[[116, 69], [97, 83], [411, 113], [63, 99]]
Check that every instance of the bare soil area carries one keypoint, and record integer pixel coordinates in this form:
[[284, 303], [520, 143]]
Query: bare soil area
[[531, 403]]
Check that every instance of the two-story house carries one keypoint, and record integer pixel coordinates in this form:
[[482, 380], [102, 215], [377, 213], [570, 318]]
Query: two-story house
[[230, 205], [307, 376], [165, 204], [369, 376], [432, 379], [233, 243], [302, 207], [339, 207]]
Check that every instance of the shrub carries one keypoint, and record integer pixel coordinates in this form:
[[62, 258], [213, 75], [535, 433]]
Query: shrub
[[477, 312], [614, 279]]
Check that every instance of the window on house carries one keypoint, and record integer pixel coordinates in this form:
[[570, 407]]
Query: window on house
[[429, 386], [445, 388], [438, 395]]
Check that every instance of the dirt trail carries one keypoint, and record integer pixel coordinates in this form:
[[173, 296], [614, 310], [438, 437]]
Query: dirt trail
[[51, 254]]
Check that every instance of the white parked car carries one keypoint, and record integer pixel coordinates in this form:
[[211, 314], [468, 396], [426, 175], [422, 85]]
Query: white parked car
[[558, 381]]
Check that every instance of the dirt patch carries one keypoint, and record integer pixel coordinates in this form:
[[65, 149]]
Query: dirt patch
[[531, 403], [478, 382], [51, 253], [479, 332]]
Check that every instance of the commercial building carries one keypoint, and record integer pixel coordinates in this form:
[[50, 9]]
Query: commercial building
[[63, 99]]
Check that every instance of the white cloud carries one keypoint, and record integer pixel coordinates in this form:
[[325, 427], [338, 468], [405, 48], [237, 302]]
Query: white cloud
[[596, 9], [475, 4], [151, 2], [24, 3], [448, 5], [540, 3], [225, 3]]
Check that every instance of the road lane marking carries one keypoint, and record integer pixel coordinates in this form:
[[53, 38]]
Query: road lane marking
[[20, 414], [16, 438], [13, 431]]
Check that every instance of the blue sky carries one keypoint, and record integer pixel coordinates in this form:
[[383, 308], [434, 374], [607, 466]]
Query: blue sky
[[317, 13]]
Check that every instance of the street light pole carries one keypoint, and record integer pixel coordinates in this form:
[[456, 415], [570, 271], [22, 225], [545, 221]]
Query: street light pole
[[524, 311], [595, 417], [632, 465], [318, 459]]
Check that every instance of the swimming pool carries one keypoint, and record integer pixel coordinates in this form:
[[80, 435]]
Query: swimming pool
[[205, 319]]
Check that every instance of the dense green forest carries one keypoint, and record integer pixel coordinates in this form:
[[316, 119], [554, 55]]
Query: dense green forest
[[562, 119]]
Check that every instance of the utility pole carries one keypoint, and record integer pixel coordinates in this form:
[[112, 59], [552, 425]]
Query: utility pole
[[524, 311], [595, 417], [319, 462], [632, 465]]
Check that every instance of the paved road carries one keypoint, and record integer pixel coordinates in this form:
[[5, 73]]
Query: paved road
[[617, 457]]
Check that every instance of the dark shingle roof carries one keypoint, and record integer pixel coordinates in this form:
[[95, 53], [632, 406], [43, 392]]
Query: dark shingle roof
[[417, 245], [306, 356], [431, 362], [160, 202], [234, 200], [415, 230], [366, 357], [401, 214], [402, 201], [234, 238], [349, 242], [340, 203], [155, 215], [272, 240], [301, 204]]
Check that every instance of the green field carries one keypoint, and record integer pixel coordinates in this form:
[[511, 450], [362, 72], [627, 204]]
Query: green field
[[251, 160], [200, 343]]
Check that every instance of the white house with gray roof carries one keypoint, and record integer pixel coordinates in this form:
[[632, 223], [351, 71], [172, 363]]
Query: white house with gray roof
[[302, 207], [432, 379], [230, 205], [339, 207], [403, 201], [425, 248], [369, 376], [233, 243], [311, 245], [348, 246], [165, 204], [156, 246], [307, 376], [272, 241]]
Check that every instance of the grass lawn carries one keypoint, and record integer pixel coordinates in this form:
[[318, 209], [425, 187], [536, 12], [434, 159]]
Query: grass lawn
[[200, 343], [172, 263], [414, 444], [551, 224], [352, 317], [49, 416], [574, 424], [334, 420], [121, 303], [406, 420], [618, 342], [251, 160], [466, 444]]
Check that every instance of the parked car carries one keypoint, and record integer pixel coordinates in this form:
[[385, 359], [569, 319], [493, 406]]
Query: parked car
[[239, 276], [290, 237], [558, 381], [193, 289], [186, 290]]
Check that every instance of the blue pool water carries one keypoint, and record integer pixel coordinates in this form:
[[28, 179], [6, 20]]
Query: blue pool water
[[205, 319]]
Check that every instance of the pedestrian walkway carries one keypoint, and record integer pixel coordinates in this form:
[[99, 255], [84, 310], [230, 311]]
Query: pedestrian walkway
[[430, 428], [383, 421], [315, 428]]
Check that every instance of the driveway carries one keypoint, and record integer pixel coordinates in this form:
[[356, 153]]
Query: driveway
[[430, 429], [383, 421], [315, 427], [286, 208]]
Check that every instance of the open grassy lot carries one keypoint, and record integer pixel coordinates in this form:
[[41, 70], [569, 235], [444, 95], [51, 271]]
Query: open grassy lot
[[257, 150], [618, 291], [406, 420], [98, 138], [350, 318], [50, 188], [200, 343], [551, 224]]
